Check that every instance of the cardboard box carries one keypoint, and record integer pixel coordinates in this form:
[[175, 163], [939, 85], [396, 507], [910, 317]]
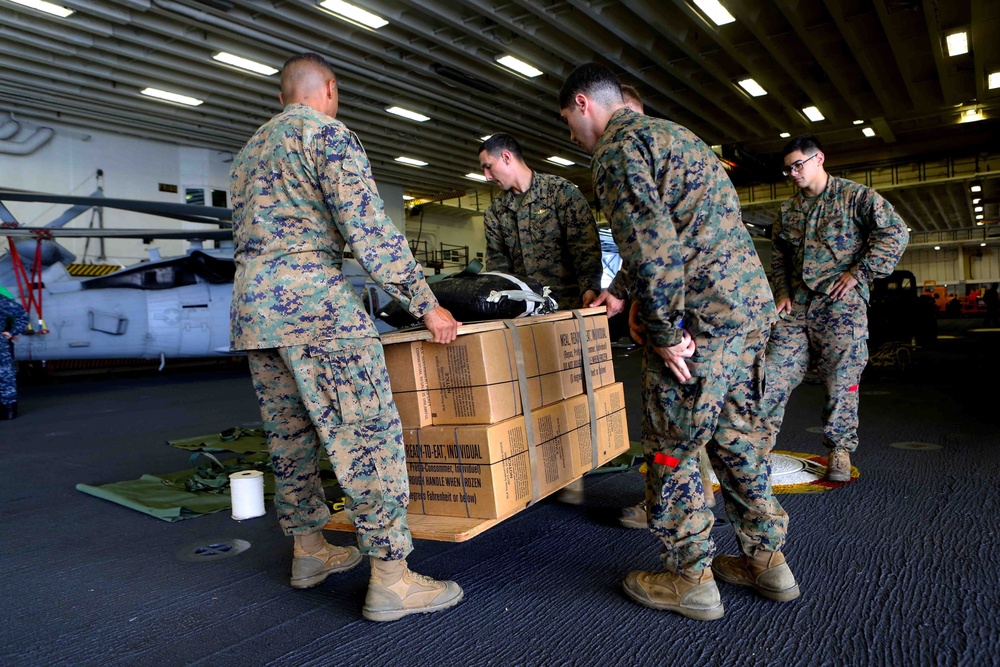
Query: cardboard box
[[484, 470], [612, 428], [473, 380], [407, 366], [556, 363]]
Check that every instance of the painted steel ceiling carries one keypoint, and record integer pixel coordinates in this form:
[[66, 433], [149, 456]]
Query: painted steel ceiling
[[882, 62]]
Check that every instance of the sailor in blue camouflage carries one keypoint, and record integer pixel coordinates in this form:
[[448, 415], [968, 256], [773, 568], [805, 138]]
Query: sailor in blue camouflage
[[705, 309], [831, 240], [302, 193], [13, 322], [540, 226]]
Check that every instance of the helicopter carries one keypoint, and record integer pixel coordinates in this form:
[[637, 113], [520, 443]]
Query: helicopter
[[165, 307]]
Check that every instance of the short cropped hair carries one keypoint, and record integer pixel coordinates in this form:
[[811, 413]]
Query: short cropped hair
[[806, 143], [292, 75], [501, 142], [595, 81], [629, 91]]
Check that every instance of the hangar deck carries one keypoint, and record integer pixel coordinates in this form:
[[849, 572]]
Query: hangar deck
[[898, 568]]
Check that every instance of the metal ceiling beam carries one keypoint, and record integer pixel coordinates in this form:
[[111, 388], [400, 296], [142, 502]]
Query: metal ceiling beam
[[889, 28]]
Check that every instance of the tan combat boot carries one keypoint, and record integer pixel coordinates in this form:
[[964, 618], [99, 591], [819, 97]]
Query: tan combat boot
[[766, 572], [395, 591], [313, 560], [838, 466], [694, 596], [634, 516]]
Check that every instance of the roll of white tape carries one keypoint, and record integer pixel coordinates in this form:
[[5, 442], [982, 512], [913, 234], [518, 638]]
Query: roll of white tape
[[247, 491]]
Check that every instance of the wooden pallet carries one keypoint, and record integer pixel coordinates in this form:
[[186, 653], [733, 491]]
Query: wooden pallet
[[438, 528]]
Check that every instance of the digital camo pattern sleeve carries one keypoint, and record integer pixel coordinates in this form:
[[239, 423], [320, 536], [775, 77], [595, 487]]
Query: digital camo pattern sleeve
[[887, 236], [498, 256], [782, 262], [13, 318], [359, 214], [582, 239], [650, 251]]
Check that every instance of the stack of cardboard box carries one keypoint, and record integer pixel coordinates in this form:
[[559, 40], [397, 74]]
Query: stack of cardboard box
[[464, 426]]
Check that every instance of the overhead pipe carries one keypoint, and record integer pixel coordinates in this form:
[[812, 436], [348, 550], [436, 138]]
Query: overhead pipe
[[9, 128], [29, 145]]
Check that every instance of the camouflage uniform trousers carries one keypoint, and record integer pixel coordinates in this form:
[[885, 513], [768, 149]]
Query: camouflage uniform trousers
[[333, 398], [8, 373], [833, 336], [719, 409]]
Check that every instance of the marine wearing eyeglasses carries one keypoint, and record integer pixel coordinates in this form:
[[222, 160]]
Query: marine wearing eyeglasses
[[831, 240]]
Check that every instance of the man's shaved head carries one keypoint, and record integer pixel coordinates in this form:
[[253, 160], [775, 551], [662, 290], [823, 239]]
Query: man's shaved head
[[309, 79], [303, 74]]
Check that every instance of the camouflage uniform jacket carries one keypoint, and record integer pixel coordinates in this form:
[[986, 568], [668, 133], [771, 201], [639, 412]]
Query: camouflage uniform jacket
[[13, 318], [676, 219], [550, 237], [302, 191], [850, 227]]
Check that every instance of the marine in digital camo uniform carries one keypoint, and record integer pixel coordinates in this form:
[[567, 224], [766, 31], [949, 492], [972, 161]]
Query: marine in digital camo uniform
[[303, 191], [13, 322], [831, 240], [706, 308], [540, 226]]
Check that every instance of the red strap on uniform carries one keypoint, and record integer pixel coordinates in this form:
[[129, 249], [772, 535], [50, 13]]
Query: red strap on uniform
[[666, 460], [853, 387]]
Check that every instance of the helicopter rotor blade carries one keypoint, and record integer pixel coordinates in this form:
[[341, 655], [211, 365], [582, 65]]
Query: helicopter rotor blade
[[213, 215], [147, 234]]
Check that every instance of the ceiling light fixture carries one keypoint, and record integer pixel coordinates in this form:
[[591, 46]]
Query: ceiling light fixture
[[982, 245], [976, 200], [411, 161], [979, 217], [486, 138], [979, 209], [971, 116], [354, 14], [47, 7], [813, 114], [975, 188], [753, 88], [406, 113], [555, 159], [407, 198], [980, 224], [476, 177], [993, 80], [958, 43], [784, 135], [937, 247], [244, 63], [519, 66], [171, 97], [868, 132], [859, 122], [714, 10]]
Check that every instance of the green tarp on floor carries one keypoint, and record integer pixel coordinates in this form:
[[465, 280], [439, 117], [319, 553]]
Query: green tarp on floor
[[203, 488]]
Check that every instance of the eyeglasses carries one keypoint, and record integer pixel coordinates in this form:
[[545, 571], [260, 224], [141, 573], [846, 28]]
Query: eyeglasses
[[796, 166]]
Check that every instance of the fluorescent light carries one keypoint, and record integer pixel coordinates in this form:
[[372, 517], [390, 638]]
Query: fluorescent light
[[559, 160], [784, 135], [813, 114], [519, 66], [937, 247], [411, 161], [976, 200], [714, 10], [979, 217], [982, 245], [859, 122], [980, 223], [753, 88], [407, 198], [868, 132], [909, 229], [47, 7], [993, 80], [406, 113], [486, 138], [975, 188], [958, 43], [979, 209], [971, 116], [476, 177], [354, 14], [171, 97], [245, 63]]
